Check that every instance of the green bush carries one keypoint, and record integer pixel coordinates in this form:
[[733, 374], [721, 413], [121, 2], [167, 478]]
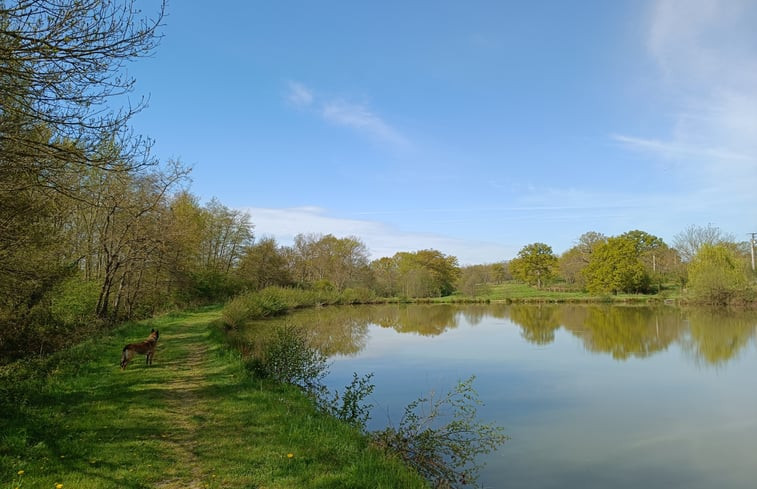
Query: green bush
[[288, 358], [716, 275], [441, 437], [74, 302]]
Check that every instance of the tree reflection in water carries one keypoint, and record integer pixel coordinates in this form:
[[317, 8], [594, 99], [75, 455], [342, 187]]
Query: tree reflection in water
[[710, 336]]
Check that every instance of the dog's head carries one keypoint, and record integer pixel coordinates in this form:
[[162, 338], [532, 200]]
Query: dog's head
[[154, 333]]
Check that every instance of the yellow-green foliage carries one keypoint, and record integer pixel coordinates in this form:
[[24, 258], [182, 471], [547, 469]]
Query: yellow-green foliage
[[716, 274]]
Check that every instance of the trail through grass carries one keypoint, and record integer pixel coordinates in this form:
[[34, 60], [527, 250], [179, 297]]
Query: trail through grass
[[194, 419]]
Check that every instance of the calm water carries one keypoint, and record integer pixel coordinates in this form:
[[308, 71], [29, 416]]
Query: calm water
[[592, 396]]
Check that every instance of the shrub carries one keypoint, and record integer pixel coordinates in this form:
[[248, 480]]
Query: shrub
[[288, 358], [443, 453], [75, 302], [716, 275]]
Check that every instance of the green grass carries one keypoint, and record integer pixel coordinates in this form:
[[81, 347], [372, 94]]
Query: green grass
[[194, 419], [520, 292]]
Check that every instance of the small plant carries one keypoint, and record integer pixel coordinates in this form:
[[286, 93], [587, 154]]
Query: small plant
[[444, 453], [288, 358], [350, 406]]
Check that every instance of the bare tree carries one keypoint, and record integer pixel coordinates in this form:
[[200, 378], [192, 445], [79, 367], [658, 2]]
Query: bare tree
[[691, 239], [61, 63]]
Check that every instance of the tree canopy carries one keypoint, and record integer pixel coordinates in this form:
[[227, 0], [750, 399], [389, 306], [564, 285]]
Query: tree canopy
[[535, 264]]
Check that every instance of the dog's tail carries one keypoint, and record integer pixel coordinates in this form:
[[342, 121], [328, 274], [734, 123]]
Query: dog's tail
[[124, 357]]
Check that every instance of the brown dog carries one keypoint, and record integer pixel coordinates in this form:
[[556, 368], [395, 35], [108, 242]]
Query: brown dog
[[146, 347]]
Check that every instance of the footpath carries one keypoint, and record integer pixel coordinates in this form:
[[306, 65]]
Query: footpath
[[194, 419]]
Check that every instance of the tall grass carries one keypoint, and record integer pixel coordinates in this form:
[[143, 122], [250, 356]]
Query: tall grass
[[275, 301]]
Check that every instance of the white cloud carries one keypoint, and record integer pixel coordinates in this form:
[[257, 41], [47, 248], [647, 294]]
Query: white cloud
[[706, 54], [380, 238], [361, 119], [357, 117], [299, 95], [678, 149]]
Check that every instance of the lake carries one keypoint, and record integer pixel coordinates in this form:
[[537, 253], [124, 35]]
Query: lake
[[592, 396]]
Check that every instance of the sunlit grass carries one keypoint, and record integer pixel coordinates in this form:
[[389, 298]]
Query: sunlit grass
[[520, 292], [193, 419]]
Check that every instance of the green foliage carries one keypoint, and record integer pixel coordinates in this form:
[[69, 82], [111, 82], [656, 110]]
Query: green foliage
[[342, 262], [615, 267], [476, 280], [288, 358], [349, 406], [271, 301], [74, 302], [441, 437], [54, 412], [535, 264], [264, 264], [424, 273], [716, 274]]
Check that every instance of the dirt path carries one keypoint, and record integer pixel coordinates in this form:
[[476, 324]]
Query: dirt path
[[186, 404]]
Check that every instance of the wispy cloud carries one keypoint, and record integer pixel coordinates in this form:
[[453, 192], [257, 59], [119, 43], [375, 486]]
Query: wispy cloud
[[299, 95], [361, 119], [357, 117], [381, 239], [706, 55], [677, 149]]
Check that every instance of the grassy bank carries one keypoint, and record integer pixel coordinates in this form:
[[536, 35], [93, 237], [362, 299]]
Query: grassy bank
[[522, 293], [195, 419]]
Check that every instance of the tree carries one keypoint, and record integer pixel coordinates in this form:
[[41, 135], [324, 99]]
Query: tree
[[572, 263], [716, 274], [426, 273], [615, 267], [475, 279], [535, 264], [62, 62], [386, 276], [690, 240], [264, 264], [342, 262]]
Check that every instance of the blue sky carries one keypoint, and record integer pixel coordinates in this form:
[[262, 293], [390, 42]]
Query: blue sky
[[471, 127]]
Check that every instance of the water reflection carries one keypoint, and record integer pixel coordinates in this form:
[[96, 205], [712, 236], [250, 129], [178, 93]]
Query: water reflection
[[711, 337], [718, 344]]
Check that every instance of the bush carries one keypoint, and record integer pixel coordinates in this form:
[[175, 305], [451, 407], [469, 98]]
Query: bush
[[443, 453], [716, 275], [75, 302], [288, 358]]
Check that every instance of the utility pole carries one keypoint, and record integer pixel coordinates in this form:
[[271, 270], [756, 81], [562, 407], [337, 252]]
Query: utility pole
[[752, 241]]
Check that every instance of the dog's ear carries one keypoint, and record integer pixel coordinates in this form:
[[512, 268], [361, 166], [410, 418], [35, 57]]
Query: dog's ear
[[152, 330]]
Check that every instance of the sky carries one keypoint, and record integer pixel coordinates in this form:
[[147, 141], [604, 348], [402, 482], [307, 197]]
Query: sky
[[474, 128]]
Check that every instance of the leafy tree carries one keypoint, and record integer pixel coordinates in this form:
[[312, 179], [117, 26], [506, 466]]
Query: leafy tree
[[342, 262], [264, 264], [475, 279], [716, 274], [426, 273], [535, 264], [615, 267], [570, 266], [572, 263], [386, 276]]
